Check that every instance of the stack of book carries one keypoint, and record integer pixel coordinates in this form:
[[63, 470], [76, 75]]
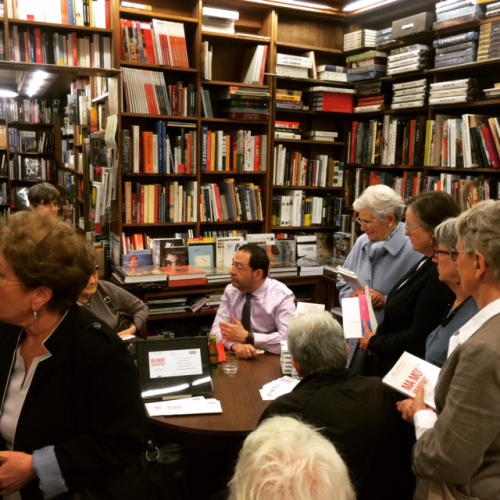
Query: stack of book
[[254, 65], [168, 306], [293, 66], [229, 105], [180, 276], [285, 359], [359, 40], [454, 91], [218, 275], [140, 274], [384, 37], [371, 64], [289, 99], [330, 99], [321, 135], [332, 73], [310, 267], [219, 20], [493, 10], [489, 41], [282, 269], [287, 130], [410, 58], [455, 12], [412, 94], [213, 302], [492, 93], [369, 97], [456, 53]]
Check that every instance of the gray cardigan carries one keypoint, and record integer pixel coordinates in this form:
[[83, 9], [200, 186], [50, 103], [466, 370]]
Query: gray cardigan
[[122, 301]]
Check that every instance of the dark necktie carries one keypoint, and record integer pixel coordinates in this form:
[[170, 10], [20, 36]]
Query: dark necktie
[[247, 312]]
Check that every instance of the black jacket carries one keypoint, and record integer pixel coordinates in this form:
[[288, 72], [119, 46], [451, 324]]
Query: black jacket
[[84, 399], [361, 420], [413, 310]]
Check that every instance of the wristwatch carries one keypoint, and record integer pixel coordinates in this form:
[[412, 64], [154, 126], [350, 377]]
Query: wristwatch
[[250, 338]]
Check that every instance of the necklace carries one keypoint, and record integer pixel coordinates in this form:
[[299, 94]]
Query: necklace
[[448, 316], [81, 303]]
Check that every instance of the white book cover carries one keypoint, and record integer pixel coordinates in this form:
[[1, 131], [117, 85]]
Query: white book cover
[[267, 238], [220, 248], [355, 312], [308, 307], [350, 278], [409, 372]]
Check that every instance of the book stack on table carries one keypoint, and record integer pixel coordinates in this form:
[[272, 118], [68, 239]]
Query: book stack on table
[[366, 66], [410, 58], [464, 90], [489, 42], [359, 40], [412, 94], [450, 52]]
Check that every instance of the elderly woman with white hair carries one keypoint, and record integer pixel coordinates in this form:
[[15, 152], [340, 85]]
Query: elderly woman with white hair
[[458, 447], [384, 253], [288, 459]]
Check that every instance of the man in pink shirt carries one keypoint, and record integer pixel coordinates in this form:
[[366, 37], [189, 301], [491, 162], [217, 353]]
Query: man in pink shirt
[[255, 310]]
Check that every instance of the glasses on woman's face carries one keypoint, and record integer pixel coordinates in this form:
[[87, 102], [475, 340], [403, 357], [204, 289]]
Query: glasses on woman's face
[[440, 252], [366, 223], [409, 229], [454, 255], [5, 281]]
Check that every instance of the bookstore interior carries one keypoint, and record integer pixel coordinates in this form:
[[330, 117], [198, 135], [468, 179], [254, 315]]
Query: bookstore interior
[[179, 130]]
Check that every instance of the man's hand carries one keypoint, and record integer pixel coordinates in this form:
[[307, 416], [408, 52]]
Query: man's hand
[[365, 341], [409, 407], [16, 470], [244, 351], [405, 408], [234, 332]]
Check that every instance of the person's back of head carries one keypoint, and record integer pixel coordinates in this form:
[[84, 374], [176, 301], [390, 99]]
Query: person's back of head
[[44, 194], [284, 459], [316, 343]]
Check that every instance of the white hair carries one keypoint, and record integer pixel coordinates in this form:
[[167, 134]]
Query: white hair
[[382, 201], [284, 459]]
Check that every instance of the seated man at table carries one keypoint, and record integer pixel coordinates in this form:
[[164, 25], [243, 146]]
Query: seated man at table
[[357, 414], [285, 458], [255, 310]]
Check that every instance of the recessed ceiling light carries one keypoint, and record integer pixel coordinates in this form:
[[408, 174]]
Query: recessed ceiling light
[[362, 5]]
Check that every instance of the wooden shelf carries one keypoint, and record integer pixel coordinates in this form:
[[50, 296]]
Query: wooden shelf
[[227, 120], [161, 117], [309, 188], [170, 176], [187, 314], [302, 228], [62, 27], [308, 141], [301, 47], [177, 69], [148, 14], [237, 37], [232, 172], [172, 224], [234, 84], [232, 222]]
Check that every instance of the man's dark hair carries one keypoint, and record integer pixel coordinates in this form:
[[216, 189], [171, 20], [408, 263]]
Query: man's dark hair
[[44, 193], [258, 257]]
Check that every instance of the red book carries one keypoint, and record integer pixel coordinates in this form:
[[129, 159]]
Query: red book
[[187, 282], [490, 145], [263, 66], [411, 143], [354, 129], [108, 14], [38, 45], [75, 48], [284, 124], [248, 117], [147, 152], [256, 151], [141, 204], [147, 36], [156, 202]]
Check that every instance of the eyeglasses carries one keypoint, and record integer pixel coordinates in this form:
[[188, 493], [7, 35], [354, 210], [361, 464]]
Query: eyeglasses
[[49, 206], [454, 255], [408, 229], [365, 222], [4, 281], [442, 252]]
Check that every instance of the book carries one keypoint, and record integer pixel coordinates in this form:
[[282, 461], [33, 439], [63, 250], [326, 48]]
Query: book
[[409, 372], [350, 278], [356, 312], [141, 274], [201, 256]]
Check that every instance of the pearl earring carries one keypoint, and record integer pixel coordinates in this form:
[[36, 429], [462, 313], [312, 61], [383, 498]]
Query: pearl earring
[[390, 225], [34, 315]]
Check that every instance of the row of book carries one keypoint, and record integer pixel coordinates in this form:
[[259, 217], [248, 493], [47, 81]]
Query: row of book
[[284, 129], [28, 110], [455, 50], [170, 148], [298, 209], [360, 39], [29, 168], [146, 92], [157, 42], [410, 58], [366, 66], [467, 190], [330, 99], [238, 151], [489, 41], [226, 200], [289, 99], [169, 202], [43, 46], [30, 141], [292, 168], [95, 13], [456, 12], [4, 194]]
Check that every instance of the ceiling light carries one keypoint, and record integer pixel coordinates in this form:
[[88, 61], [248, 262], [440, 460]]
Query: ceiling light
[[362, 5], [8, 91]]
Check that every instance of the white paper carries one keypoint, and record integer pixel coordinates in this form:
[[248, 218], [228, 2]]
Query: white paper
[[351, 318], [188, 406], [373, 319], [308, 307], [350, 278], [276, 388], [177, 363]]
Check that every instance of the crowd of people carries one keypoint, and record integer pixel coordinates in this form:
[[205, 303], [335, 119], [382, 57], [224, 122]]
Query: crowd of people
[[341, 434]]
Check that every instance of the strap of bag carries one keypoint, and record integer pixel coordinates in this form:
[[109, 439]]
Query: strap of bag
[[313, 409]]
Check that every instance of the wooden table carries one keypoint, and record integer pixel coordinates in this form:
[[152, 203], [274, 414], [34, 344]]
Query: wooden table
[[212, 442]]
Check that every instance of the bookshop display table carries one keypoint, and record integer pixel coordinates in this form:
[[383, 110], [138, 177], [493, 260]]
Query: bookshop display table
[[211, 442]]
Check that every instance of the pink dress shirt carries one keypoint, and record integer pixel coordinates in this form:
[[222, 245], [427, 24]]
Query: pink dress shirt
[[272, 307]]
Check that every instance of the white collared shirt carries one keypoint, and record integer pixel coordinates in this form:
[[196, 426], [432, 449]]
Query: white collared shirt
[[425, 419]]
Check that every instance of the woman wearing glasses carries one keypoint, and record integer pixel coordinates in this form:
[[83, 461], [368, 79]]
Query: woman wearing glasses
[[113, 305], [71, 413], [418, 300], [460, 444], [464, 307], [383, 254]]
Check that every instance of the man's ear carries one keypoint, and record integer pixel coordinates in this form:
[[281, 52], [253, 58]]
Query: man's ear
[[297, 367], [258, 274]]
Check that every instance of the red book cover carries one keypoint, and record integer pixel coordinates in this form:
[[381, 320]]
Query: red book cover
[[188, 161], [64, 12], [352, 156], [75, 48], [490, 145], [256, 154], [147, 152], [141, 205], [108, 14], [249, 117], [38, 45], [179, 273], [218, 202], [263, 66], [411, 144], [187, 282], [147, 35], [285, 124]]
